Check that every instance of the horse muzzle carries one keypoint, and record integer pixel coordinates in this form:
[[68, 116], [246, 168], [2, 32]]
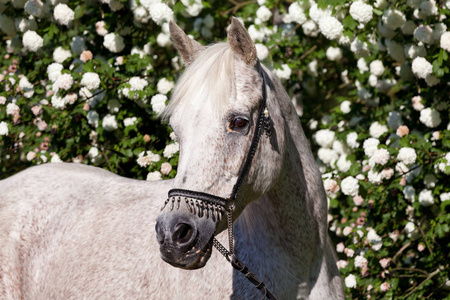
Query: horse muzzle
[[185, 240]]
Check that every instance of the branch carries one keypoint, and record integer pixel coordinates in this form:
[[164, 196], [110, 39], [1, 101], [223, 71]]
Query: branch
[[431, 275], [401, 250]]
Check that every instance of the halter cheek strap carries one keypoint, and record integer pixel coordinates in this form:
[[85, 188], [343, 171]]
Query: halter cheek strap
[[213, 206]]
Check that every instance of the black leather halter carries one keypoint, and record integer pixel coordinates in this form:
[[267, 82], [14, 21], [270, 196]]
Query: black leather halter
[[213, 206]]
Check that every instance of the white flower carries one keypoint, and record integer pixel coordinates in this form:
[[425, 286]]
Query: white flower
[[64, 81], [407, 155], [158, 103], [374, 177], [345, 106], [361, 261], [3, 128], [376, 129], [409, 192], [342, 264], [171, 149], [63, 14], [361, 11], [377, 68], [373, 80], [351, 140], [379, 156], [445, 41], [430, 117], [161, 12], [100, 28], [296, 13], [90, 80], [114, 42], [316, 13], [60, 54], [331, 28], [146, 158], [445, 197], [156, 175], [109, 122], [362, 65], [12, 109], [423, 34], [92, 117], [284, 72], [334, 53], [410, 230], [370, 145], [393, 18], [25, 84], [343, 164], [350, 281], [137, 83], [163, 40], [129, 121], [327, 156], [426, 198], [324, 138], [32, 41], [55, 159], [421, 67], [256, 34], [164, 86], [426, 9], [54, 71], [263, 13], [58, 102], [261, 51], [373, 237], [310, 28], [331, 187], [394, 120], [350, 186]]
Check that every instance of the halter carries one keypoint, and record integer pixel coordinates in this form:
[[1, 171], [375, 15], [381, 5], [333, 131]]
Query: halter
[[214, 207]]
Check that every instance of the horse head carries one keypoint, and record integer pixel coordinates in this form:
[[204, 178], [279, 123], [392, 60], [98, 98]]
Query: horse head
[[215, 112]]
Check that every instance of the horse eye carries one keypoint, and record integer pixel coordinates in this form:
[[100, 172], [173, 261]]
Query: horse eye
[[239, 122]]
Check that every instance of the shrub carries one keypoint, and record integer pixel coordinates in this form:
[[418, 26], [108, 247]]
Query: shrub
[[84, 81]]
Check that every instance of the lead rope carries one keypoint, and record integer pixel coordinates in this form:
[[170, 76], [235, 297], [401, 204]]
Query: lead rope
[[264, 123], [236, 263]]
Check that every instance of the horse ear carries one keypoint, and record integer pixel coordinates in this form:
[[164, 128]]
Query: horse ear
[[241, 43], [187, 47]]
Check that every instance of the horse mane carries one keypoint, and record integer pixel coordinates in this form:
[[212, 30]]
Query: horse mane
[[209, 80]]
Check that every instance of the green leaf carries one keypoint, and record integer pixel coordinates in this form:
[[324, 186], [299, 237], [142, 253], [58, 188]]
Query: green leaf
[[349, 22]]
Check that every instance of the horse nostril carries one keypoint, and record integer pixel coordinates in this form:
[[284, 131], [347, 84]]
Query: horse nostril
[[159, 233], [184, 234]]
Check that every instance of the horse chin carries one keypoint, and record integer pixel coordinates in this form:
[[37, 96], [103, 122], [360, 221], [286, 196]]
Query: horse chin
[[193, 259]]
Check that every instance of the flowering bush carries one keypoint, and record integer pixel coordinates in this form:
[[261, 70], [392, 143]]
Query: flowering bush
[[84, 81]]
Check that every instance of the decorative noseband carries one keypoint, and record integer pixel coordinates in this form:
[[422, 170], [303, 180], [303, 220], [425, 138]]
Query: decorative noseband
[[213, 206]]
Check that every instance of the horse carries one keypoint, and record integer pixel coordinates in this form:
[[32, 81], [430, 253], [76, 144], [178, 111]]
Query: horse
[[71, 231]]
